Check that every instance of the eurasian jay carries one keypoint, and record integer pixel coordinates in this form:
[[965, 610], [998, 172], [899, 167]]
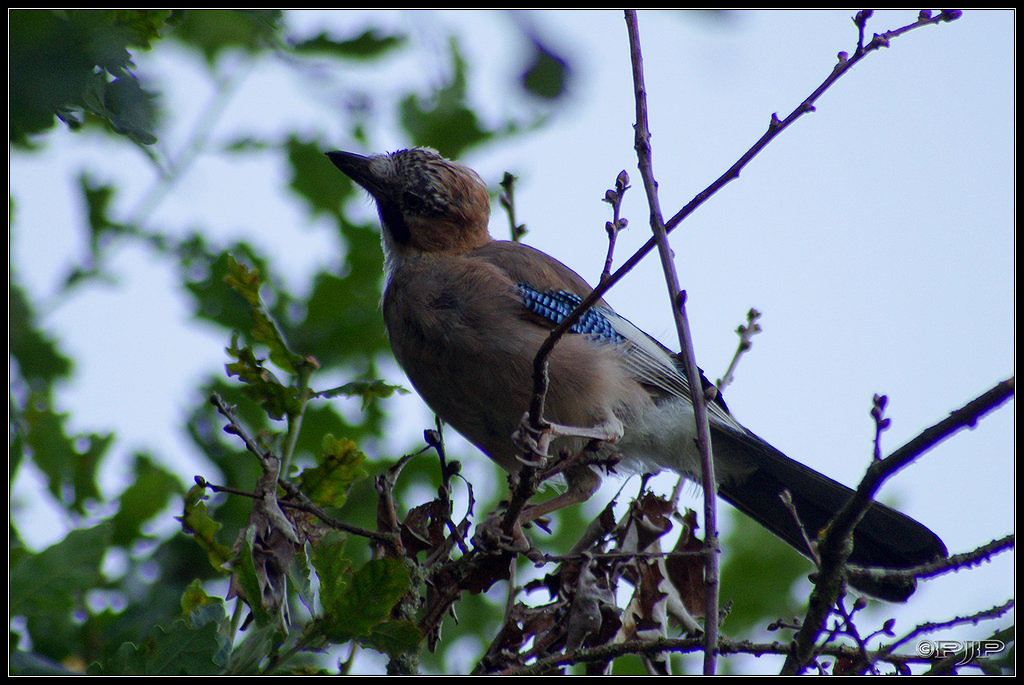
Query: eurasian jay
[[466, 314]]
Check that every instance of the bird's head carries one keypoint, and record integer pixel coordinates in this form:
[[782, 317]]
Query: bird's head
[[426, 202]]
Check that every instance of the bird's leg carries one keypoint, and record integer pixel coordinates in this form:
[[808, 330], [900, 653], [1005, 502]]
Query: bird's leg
[[581, 482], [581, 479], [537, 442]]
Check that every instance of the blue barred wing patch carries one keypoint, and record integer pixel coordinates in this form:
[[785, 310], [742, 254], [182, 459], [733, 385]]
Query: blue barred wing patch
[[556, 305]]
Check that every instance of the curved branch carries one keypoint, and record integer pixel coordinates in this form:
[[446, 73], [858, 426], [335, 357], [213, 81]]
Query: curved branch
[[833, 549]]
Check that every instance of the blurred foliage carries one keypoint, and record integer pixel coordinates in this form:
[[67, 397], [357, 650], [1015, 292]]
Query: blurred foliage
[[74, 64], [164, 610], [750, 551]]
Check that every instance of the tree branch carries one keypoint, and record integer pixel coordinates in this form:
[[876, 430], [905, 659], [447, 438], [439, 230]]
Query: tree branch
[[703, 430], [834, 548]]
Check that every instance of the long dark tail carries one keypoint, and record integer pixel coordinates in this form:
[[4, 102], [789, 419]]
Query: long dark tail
[[884, 538]]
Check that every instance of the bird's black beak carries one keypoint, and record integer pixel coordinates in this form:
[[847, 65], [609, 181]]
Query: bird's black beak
[[360, 169], [356, 167]]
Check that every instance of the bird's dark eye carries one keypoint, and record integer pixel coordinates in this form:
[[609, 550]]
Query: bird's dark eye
[[412, 202]]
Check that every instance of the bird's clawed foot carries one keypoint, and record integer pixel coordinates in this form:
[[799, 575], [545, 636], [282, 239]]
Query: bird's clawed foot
[[491, 534], [537, 442]]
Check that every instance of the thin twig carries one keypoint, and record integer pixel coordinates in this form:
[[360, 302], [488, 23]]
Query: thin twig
[[703, 430], [298, 499], [607, 652], [746, 334], [930, 627], [507, 200], [613, 196]]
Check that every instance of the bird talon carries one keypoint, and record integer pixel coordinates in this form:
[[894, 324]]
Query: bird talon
[[490, 535], [532, 440], [538, 441]]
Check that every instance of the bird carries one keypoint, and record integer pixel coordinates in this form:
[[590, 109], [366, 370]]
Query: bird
[[465, 315]]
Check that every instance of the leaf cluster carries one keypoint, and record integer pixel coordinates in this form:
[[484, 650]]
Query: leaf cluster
[[75, 64], [122, 593]]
